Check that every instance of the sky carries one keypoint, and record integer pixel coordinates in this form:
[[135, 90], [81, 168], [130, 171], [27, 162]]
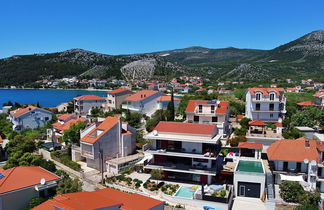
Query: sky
[[139, 26]]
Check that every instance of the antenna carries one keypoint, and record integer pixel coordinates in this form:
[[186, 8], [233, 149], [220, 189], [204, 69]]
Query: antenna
[[313, 163], [155, 132], [306, 161], [42, 181]]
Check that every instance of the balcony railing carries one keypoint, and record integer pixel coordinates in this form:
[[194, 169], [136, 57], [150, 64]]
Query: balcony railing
[[182, 167]]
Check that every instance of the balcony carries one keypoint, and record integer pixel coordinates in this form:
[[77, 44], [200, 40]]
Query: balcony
[[168, 166], [181, 153], [205, 112]]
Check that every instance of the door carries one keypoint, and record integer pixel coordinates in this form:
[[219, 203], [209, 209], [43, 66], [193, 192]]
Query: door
[[248, 189], [242, 191]]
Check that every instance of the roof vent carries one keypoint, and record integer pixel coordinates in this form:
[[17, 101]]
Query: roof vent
[[307, 145]]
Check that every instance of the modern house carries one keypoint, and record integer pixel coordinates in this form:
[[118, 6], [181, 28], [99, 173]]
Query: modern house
[[102, 199], [298, 160], [116, 97], [103, 141], [84, 104], [62, 107], [144, 102], [210, 112], [20, 184], [184, 151], [29, 117], [265, 104]]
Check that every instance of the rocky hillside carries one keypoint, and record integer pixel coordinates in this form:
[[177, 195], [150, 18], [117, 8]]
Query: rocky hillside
[[299, 58]]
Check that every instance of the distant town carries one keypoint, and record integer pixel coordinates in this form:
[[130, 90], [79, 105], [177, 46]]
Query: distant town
[[186, 143]]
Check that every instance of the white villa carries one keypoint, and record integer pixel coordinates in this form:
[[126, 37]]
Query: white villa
[[265, 104], [84, 104], [184, 151]]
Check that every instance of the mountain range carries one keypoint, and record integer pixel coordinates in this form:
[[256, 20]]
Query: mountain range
[[303, 57]]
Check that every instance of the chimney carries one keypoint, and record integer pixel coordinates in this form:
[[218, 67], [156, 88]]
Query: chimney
[[307, 145]]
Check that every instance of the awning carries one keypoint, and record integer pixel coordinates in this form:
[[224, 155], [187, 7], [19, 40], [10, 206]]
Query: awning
[[147, 156], [292, 178]]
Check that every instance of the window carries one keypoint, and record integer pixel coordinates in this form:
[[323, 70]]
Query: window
[[200, 108], [257, 107], [46, 118], [196, 118], [272, 96], [258, 96], [212, 109], [271, 115], [285, 166], [214, 119], [271, 107], [298, 167]]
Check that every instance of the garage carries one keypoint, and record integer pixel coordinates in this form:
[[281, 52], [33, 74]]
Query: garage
[[248, 189]]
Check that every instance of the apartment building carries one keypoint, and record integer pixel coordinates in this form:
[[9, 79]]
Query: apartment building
[[103, 141], [116, 97], [84, 104], [210, 112], [265, 104], [184, 151], [29, 117], [144, 102]]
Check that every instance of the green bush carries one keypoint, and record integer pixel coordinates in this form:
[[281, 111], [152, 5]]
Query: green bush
[[223, 193], [291, 191], [36, 201], [234, 142]]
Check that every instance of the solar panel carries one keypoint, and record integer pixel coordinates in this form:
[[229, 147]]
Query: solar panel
[[2, 175]]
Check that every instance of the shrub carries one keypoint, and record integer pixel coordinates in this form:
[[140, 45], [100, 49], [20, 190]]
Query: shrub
[[291, 191], [156, 174], [234, 142], [223, 193], [36, 201], [240, 131], [160, 184]]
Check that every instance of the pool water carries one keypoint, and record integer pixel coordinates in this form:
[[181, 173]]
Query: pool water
[[250, 166], [186, 192]]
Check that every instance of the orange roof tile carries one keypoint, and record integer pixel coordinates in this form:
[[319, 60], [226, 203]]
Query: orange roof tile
[[21, 111], [293, 150], [265, 91], [221, 108], [278, 124], [89, 97], [250, 145], [69, 123], [240, 117], [1, 140], [256, 123], [100, 199], [105, 126], [141, 95], [187, 128], [306, 103], [24, 176], [168, 98], [65, 116], [118, 90], [319, 94]]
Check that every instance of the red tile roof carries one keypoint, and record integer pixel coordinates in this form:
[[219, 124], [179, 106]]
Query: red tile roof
[[105, 126], [89, 97], [201, 89], [168, 98], [256, 123], [65, 116], [24, 176], [100, 199], [250, 145], [306, 103], [266, 91], [187, 128], [21, 111], [293, 150], [69, 123], [278, 124], [1, 140], [118, 90], [319, 94], [221, 108], [141, 95], [239, 117]]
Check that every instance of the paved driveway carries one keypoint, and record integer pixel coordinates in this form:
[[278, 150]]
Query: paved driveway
[[244, 203]]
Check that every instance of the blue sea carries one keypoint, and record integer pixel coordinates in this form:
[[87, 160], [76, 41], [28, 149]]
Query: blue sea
[[46, 98]]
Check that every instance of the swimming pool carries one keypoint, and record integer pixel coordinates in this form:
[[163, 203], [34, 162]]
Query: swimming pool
[[186, 192]]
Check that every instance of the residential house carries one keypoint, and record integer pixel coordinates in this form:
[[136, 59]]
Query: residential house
[[20, 184], [210, 112], [29, 117], [298, 159], [116, 97], [184, 151], [144, 102], [107, 198], [296, 89], [265, 104], [62, 107], [318, 85], [105, 140], [319, 98], [84, 104], [163, 102]]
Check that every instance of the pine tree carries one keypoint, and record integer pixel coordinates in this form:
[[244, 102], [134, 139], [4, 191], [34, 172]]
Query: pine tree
[[170, 108]]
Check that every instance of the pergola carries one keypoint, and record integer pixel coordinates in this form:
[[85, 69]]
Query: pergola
[[257, 123]]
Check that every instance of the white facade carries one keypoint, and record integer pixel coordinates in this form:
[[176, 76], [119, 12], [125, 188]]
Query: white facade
[[84, 106], [268, 106]]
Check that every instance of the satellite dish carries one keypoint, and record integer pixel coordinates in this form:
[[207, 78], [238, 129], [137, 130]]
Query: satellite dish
[[155, 132], [42, 181], [306, 161], [313, 163]]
